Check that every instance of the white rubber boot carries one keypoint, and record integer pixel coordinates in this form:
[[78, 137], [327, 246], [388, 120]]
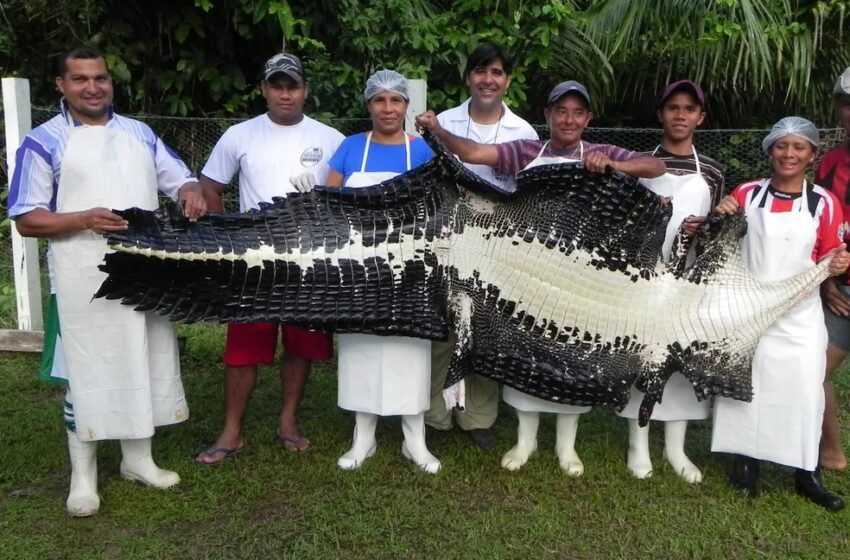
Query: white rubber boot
[[674, 451], [414, 447], [137, 464], [567, 426], [526, 441], [363, 443], [82, 498], [639, 461]]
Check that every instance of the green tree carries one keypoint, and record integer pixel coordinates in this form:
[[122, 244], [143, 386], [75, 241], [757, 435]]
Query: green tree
[[758, 59]]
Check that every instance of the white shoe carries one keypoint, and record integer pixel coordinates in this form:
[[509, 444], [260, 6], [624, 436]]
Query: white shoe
[[83, 500], [674, 451], [137, 464], [684, 467], [639, 461], [354, 458], [363, 443], [566, 426], [414, 447], [526, 441], [425, 461], [518, 456]]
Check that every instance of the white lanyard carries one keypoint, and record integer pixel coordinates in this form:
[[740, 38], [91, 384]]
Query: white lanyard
[[366, 151], [580, 154], [694, 150]]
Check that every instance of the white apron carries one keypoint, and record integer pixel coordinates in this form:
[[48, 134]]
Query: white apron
[[783, 422], [690, 196], [518, 399], [123, 367], [383, 375]]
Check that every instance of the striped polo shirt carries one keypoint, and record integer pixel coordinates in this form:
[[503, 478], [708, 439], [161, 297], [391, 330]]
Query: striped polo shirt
[[38, 162], [515, 156], [711, 171]]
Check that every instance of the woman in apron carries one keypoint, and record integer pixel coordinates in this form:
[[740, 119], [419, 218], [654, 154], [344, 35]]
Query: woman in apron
[[383, 375], [690, 195], [792, 224]]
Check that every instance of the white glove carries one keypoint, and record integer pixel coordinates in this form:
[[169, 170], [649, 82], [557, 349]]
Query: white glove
[[303, 183]]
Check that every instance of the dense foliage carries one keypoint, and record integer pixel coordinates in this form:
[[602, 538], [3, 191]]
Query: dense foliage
[[756, 58]]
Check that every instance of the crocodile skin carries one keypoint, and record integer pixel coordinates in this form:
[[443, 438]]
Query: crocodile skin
[[557, 290]]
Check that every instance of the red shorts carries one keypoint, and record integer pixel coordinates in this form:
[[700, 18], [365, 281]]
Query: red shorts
[[249, 344]]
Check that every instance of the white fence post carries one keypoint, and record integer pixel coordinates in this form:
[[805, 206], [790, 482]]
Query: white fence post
[[418, 103], [18, 117]]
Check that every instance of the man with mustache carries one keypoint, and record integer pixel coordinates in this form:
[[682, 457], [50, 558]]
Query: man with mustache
[[121, 366], [484, 118]]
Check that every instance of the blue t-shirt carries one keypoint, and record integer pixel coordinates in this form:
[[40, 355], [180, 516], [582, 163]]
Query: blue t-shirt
[[382, 157]]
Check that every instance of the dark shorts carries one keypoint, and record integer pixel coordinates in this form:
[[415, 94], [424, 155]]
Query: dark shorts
[[837, 327], [249, 344]]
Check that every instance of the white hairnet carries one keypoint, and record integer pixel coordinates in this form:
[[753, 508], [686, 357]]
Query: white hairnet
[[386, 80], [796, 126], [842, 83]]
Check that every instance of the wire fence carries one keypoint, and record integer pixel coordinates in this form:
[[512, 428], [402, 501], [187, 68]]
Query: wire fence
[[739, 150]]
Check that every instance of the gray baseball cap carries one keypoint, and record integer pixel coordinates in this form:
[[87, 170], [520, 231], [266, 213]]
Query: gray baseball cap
[[562, 89], [285, 63], [842, 84]]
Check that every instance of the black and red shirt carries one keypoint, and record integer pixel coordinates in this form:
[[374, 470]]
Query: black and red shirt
[[823, 206], [833, 174]]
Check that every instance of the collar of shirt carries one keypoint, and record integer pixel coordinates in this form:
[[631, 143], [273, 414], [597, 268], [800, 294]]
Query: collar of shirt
[[63, 108], [786, 195], [460, 114]]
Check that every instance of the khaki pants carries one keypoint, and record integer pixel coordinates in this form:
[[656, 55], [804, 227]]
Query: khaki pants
[[482, 394]]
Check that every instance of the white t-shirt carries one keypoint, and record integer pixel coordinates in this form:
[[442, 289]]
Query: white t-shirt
[[266, 155], [510, 127]]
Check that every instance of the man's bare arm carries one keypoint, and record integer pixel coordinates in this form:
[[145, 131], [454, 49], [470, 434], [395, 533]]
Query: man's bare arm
[[44, 223], [211, 191], [467, 150]]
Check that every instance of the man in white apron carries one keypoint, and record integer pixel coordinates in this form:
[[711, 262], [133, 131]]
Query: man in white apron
[[484, 118], [567, 114], [383, 375], [790, 223], [122, 365], [694, 184]]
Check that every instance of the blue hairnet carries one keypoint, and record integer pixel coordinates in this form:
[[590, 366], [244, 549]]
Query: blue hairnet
[[795, 126], [386, 80]]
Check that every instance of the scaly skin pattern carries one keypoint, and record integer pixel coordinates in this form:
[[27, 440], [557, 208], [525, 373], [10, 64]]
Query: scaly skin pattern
[[557, 290]]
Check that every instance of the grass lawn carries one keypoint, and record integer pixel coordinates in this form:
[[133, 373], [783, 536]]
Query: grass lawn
[[269, 503]]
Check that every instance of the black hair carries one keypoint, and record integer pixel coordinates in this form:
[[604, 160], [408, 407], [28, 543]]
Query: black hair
[[485, 54], [83, 51]]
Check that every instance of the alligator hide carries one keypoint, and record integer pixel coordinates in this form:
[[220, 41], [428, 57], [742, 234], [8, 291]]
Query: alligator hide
[[557, 290]]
